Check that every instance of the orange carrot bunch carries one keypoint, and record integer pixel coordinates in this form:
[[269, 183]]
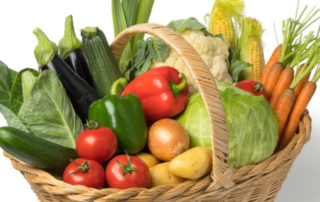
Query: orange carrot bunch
[[301, 101], [290, 93]]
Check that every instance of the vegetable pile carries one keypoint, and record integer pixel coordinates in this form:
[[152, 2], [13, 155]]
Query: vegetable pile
[[142, 122]]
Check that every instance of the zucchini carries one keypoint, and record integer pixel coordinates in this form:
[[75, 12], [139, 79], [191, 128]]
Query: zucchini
[[36, 152], [104, 68]]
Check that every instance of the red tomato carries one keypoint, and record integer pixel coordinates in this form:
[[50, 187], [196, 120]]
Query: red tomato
[[253, 87], [97, 144], [124, 173], [84, 172]]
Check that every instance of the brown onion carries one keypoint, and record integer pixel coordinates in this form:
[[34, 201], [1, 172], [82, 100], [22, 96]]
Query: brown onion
[[167, 139]]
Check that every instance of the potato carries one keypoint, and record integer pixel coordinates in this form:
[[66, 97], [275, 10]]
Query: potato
[[160, 175], [192, 164], [149, 159]]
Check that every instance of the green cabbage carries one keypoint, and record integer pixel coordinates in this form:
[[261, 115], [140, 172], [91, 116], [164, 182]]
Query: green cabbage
[[252, 124]]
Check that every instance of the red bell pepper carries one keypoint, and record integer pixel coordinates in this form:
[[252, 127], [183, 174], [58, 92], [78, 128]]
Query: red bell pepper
[[163, 92]]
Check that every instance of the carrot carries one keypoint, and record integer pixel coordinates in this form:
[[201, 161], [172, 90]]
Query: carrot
[[300, 85], [283, 83], [284, 107], [273, 77], [294, 118], [273, 59]]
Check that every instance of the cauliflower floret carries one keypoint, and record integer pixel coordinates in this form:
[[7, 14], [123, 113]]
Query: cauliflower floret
[[212, 50]]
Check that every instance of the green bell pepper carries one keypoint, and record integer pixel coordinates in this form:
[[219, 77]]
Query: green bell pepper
[[123, 115]]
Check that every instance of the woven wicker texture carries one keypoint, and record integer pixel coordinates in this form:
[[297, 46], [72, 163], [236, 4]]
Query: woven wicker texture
[[260, 182]]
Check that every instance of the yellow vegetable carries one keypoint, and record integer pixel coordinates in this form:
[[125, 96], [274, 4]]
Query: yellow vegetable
[[149, 159], [192, 164], [250, 47], [224, 13], [160, 175]]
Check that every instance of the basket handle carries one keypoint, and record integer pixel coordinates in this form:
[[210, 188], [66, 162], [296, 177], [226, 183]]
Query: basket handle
[[221, 172]]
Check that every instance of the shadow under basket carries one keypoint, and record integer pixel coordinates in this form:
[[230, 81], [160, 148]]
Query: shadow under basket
[[258, 182]]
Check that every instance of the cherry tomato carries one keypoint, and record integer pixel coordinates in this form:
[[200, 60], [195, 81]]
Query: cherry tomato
[[124, 171], [84, 172], [96, 143], [253, 87]]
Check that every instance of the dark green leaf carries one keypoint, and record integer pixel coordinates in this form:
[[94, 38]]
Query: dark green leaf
[[236, 67], [150, 53], [16, 93], [12, 119], [232, 56], [161, 50], [7, 78], [48, 113]]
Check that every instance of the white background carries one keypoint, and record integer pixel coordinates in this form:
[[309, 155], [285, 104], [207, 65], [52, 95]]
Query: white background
[[17, 42]]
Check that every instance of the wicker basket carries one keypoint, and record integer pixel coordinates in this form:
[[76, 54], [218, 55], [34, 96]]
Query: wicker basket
[[260, 182]]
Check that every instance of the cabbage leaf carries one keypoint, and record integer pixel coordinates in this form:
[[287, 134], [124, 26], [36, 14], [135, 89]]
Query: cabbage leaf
[[252, 124]]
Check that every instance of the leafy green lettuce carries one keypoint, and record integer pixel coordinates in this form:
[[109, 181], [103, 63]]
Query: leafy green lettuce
[[252, 124], [48, 113]]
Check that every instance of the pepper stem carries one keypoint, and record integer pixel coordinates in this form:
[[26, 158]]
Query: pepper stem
[[69, 42], [45, 50], [91, 125], [82, 168], [127, 169], [114, 88], [176, 88], [258, 87]]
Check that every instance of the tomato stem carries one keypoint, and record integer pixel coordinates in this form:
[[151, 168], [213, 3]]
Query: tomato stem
[[258, 87], [82, 168], [91, 125], [127, 169]]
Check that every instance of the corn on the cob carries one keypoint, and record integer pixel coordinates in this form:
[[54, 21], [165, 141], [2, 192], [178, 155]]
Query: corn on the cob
[[225, 17], [251, 50]]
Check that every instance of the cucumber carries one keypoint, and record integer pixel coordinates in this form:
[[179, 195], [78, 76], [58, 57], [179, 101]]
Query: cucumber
[[36, 152], [104, 68]]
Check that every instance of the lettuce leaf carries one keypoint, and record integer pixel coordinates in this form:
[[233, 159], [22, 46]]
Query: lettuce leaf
[[12, 119], [48, 113]]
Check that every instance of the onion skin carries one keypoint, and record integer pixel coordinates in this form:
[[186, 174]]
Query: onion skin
[[167, 139]]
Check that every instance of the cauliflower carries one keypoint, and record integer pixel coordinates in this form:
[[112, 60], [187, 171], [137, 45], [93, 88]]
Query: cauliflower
[[212, 50]]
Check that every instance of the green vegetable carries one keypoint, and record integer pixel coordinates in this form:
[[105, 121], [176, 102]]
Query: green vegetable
[[28, 79], [126, 13], [35, 151], [48, 113], [12, 119], [153, 49], [124, 115], [104, 67], [252, 123], [10, 93]]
